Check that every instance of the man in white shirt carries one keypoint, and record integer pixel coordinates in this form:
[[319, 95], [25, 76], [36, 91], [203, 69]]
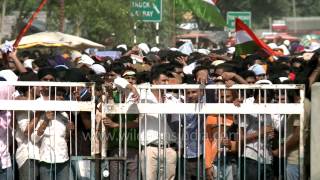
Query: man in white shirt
[[153, 163], [51, 134], [257, 148], [27, 153]]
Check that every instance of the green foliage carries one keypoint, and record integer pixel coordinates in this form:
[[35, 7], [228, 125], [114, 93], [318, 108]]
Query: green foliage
[[99, 20]]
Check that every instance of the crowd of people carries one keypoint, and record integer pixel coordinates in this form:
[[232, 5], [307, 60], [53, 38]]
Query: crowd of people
[[42, 138]]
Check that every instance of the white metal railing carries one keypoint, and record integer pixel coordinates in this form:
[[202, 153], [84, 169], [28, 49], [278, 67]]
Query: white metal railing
[[219, 107], [71, 104], [211, 103]]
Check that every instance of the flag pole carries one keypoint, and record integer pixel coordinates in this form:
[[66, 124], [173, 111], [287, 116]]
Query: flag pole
[[28, 25]]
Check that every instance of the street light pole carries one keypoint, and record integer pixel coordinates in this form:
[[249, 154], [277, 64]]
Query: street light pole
[[61, 27], [294, 15], [3, 14]]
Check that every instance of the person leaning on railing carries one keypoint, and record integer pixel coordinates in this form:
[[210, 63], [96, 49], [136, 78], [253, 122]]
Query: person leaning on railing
[[28, 152], [51, 133]]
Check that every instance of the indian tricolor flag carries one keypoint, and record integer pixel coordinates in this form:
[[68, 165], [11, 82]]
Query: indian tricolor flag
[[205, 9], [247, 42]]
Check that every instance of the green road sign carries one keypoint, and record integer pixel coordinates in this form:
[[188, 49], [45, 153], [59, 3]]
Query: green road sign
[[147, 10], [245, 16]]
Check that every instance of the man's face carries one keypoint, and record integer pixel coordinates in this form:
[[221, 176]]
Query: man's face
[[296, 64], [48, 77], [45, 90], [226, 96], [261, 77], [280, 99], [218, 72], [131, 79], [162, 80], [179, 71], [111, 76], [251, 80], [193, 95]]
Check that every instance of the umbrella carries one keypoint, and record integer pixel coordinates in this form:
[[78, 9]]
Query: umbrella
[[56, 39]]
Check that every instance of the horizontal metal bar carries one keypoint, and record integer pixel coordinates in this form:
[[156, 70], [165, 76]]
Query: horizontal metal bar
[[21, 105], [46, 83], [236, 86], [77, 158], [208, 108]]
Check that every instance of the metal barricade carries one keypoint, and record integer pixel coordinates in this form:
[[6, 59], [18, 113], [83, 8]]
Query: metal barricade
[[198, 132], [172, 132], [42, 138]]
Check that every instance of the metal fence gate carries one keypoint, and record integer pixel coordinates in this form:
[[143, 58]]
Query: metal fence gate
[[171, 132], [177, 122]]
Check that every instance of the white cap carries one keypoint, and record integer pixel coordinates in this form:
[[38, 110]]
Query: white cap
[[98, 69], [257, 69], [75, 55], [186, 48], [313, 46], [8, 75], [85, 59], [285, 50], [144, 47], [124, 46], [174, 49], [286, 42], [155, 49], [231, 50], [264, 81], [28, 63], [217, 62], [282, 79], [204, 51], [188, 69], [273, 45]]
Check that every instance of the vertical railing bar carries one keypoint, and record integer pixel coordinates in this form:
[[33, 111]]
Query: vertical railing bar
[[224, 136], [264, 138], [285, 137], [301, 138]]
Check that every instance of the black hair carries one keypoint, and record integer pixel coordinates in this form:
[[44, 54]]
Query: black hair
[[269, 94], [117, 67], [75, 75], [250, 60], [176, 64], [247, 73], [157, 70], [225, 67], [143, 77], [25, 54], [189, 79], [46, 71], [27, 76], [35, 52], [126, 59], [163, 54], [278, 69], [41, 63], [172, 55], [199, 68], [151, 59], [194, 57]]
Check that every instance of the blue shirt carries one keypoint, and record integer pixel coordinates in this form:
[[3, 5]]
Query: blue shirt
[[193, 135]]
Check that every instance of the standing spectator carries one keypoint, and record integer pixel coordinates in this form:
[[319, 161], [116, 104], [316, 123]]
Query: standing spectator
[[27, 153], [132, 132], [150, 130], [51, 134], [5, 120], [257, 153]]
